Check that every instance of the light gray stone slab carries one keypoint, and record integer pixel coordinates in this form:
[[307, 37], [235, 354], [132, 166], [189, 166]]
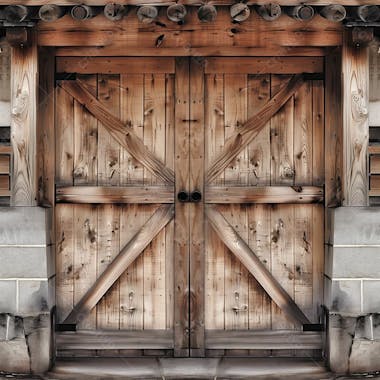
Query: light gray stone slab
[[355, 226], [24, 226], [365, 356], [8, 291], [355, 262], [371, 296], [345, 296], [33, 297], [19, 262], [14, 356]]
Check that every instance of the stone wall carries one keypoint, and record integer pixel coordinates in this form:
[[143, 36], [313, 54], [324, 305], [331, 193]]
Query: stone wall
[[352, 289], [27, 276]]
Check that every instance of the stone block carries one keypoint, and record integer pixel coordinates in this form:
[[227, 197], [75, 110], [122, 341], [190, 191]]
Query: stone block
[[33, 297], [365, 356], [8, 299], [25, 226], [355, 226], [14, 356], [19, 262], [371, 296], [355, 262], [345, 296]]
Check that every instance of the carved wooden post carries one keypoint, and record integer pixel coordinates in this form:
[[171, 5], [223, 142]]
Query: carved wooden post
[[355, 67], [23, 123]]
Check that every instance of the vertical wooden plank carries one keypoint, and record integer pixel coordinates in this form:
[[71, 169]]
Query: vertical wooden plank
[[169, 229], [64, 125], [259, 240], [259, 150], [108, 149], [318, 133], [333, 130], [355, 67], [64, 260], [45, 128], [154, 255], [85, 139], [215, 248], [85, 263], [197, 217], [24, 68], [181, 229], [282, 165], [132, 113], [235, 103], [282, 252]]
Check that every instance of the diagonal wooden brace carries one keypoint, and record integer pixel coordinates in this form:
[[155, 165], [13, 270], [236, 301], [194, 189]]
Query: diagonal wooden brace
[[122, 133], [126, 256], [248, 258]]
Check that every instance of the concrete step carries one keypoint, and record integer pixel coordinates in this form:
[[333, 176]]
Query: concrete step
[[189, 368]]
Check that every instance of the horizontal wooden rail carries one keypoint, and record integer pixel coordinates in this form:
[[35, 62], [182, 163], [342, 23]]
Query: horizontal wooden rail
[[113, 194], [266, 194], [263, 340], [254, 265], [114, 340]]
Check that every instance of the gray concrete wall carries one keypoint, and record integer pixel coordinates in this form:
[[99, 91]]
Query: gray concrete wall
[[352, 289], [27, 277]]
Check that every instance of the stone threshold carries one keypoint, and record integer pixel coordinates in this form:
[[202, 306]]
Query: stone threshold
[[189, 368]]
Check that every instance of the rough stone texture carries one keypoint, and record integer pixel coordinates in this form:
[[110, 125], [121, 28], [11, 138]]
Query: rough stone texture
[[355, 226], [371, 296], [25, 262], [345, 296], [27, 347], [24, 226], [33, 297], [8, 291], [365, 356]]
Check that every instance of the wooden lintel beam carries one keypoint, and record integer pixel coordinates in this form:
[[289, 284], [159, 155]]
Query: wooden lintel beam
[[254, 265], [113, 194], [266, 194], [252, 127], [122, 133], [126, 256]]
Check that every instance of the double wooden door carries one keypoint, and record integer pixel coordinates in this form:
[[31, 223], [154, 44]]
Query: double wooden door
[[189, 205]]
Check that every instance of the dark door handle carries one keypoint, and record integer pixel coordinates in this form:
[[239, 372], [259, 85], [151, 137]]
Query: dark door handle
[[196, 196], [183, 196]]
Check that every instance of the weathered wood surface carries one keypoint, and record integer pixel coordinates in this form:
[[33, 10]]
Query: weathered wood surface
[[24, 68], [251, 128], [126, 256], [273, 65], [114, 340], [121, 133], [265, 195], [240, 248], [355, 68], [113, 194], [263, 340], [130, 33]]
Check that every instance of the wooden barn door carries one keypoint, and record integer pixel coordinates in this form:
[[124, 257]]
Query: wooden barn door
[[264, 230], [189, 217]]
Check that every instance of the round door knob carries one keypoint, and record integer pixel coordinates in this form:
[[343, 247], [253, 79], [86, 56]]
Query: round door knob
[[183, 196], [196, 196]]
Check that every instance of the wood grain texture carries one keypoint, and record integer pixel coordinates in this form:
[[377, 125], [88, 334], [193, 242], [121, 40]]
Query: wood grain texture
[[268, 194], [24, 68], [355, 67], [249, 130], [113, 194], [126, 256], [235, 243], [120, 132]]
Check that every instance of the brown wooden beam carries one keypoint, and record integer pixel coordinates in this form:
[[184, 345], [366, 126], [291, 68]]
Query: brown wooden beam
[[268, 194], [253, 264], [113, 194], [251, 128], [126, 256], [122, 133]]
